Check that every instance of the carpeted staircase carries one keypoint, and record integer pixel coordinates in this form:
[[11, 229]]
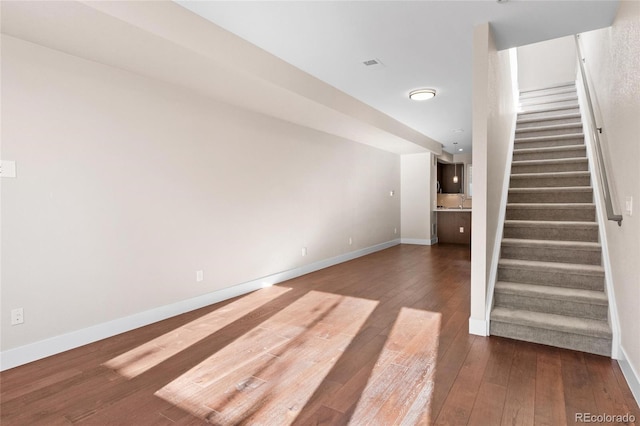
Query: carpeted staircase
[[550, 286]]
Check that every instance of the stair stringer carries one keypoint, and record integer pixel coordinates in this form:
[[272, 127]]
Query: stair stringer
[[614, 321]]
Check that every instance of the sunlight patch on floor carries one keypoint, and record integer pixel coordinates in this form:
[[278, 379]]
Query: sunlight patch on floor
[[271, 371], [401, 385], [140, 359]]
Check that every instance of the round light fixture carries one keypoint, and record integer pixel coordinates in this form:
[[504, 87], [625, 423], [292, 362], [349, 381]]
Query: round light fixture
[[422, 94]]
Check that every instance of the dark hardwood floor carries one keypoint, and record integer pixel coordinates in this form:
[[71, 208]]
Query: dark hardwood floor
[[379, 340]]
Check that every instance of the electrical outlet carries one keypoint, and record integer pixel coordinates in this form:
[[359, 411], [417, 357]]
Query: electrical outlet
[[304, 251], [462, 229], [628, 205], [7, 169], [17, 316], [199, 276], [395, 231], [350, 241], [392, 193]]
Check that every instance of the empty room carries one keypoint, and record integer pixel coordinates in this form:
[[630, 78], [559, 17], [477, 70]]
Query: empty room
[[331, 212]]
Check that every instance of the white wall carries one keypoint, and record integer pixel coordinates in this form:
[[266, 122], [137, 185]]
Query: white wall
[[126, 186], [613, 60], [494, 120], [546, 63], [481, 43], [417, 194]]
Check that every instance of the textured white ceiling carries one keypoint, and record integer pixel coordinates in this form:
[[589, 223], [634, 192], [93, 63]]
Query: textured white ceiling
[[420, 43]]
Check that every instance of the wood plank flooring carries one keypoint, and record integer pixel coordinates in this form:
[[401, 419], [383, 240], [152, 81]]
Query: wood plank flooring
[[380, 340]]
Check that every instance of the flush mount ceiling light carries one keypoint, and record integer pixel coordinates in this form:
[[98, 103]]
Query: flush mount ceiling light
[[422, 94]]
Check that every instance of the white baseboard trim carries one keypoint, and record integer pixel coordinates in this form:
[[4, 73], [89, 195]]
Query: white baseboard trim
[[478, 327], [417, 241], [54, 345], [630, 374]]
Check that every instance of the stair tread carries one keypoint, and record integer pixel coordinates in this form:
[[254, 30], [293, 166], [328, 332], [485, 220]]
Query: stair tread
[[548, 118], [552, 292], [550, 149], [584, 245], [550, 174], [550, 137], [553, 189], [567, 84], [548, 109], [573, 206], [550, 223], [582, 326], [550, 127], [552, 266], [546, 161]]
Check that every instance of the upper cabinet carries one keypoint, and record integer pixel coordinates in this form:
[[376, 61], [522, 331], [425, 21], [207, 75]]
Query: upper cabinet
[[446, 174]]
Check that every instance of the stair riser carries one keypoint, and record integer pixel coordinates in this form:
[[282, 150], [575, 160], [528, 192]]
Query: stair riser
[[552, 254], [543, 233], [532, 133], [551, 197], [550, 106], [549, 114], [594, 345], [581, 166], [543, 277], [548, 92], [549, 181], [551, 306], [551, 98], [577, 152], [554, 214], [550, 121], [548, 143]]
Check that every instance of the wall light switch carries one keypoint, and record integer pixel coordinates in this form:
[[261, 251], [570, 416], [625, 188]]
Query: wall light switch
[[392, 193], [7, 169], [628, 205], [199, 276], [350, 241], [304, 251], [462, 229]]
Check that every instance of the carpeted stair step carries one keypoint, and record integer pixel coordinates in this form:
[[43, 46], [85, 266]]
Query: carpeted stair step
[[550, 165], [551, 99], [551, 230], [586, 335], [553, 140], [578, 252], [550, 120], [586, 277], [573, 212], [550, 110], [567, 87], [554, 152], [544, 180], [563, 195], [552, 300], [549, 130]]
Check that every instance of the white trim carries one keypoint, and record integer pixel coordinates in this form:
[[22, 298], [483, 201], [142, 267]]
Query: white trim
[[495, 256], [54, 345], [478, 327], [630, 374], [418, 241], [614, 320]]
